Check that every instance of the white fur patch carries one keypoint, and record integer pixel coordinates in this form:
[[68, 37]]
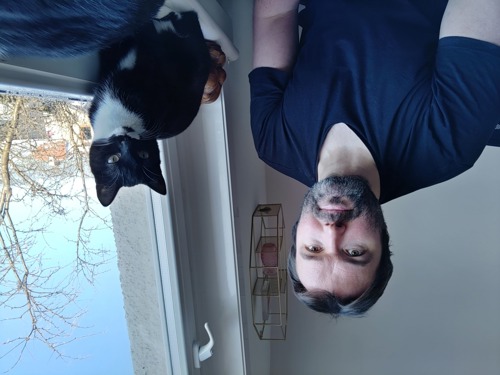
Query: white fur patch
[[128, 62], [112, 118], [164, 10], [164, 25]]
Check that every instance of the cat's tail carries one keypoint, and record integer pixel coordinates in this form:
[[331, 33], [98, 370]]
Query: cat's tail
[[217, 74]]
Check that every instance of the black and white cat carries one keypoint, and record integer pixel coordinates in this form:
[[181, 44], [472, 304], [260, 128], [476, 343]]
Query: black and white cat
[[151, 87], [152, 75]]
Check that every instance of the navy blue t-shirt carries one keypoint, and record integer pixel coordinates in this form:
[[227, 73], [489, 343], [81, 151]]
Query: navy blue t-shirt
[[424, 107]]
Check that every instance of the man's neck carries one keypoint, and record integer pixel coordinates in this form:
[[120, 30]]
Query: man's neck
[[344, 154]]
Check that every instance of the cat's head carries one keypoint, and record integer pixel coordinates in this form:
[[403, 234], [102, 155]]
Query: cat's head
[[124, 161]]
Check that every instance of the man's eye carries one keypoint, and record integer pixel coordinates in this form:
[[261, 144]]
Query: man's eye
[[354, 252], [313, 249]]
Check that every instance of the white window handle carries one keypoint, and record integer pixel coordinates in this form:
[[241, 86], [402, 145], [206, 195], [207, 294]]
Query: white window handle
[[205, 352]]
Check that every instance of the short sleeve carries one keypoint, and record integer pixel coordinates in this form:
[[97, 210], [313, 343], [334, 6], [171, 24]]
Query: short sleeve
[[277, 141], [466, 93], [267, 87], [451, 115]]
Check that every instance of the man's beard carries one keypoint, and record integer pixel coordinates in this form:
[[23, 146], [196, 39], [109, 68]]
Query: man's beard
[[352, 194]]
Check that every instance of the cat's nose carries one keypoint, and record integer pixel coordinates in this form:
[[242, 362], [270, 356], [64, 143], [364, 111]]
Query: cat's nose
[[124, 145]]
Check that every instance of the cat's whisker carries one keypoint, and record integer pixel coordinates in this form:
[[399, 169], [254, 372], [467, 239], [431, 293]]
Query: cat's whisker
[[149, 137], [102, 143], [147, 174], [146, 137], [114, 180], [146, 169], [151, 133]]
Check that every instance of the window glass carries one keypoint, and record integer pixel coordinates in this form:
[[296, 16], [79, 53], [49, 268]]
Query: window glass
[[61, 305]]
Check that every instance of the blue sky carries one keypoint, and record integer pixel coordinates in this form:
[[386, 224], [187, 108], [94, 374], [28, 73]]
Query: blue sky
[[104, 346]]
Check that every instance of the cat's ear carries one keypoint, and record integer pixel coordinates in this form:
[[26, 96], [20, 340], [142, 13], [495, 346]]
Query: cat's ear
[[106, 194], [158, 184]]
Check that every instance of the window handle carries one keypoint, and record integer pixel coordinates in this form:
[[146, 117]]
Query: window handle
[[200, 354]]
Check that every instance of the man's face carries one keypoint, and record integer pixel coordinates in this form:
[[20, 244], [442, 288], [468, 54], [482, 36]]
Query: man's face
[[338, 237]]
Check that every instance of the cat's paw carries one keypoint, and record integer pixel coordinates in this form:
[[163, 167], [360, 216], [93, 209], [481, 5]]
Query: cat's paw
[[217, 74]]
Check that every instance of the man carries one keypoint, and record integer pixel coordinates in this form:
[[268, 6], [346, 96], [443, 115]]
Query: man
[[377, 100]]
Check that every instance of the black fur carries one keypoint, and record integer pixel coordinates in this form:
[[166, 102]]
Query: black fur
[[166, 85], [163, 89], [61, 28], [139, 163]]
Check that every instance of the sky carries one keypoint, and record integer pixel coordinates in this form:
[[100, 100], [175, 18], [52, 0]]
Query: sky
[[104, 346]]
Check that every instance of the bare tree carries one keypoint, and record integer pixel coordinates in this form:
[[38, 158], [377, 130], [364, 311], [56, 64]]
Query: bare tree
[[44, 166]]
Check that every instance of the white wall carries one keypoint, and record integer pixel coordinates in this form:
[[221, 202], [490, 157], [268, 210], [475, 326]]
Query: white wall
[[440, 313], [136, 253]]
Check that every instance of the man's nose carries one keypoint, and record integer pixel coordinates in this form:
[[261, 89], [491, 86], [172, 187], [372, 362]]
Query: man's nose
[[338, 227]]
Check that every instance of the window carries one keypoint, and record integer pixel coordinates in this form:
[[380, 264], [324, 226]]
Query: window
[[61, 305]]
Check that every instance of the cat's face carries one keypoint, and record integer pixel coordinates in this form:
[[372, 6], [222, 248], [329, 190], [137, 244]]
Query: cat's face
[[124, 161]]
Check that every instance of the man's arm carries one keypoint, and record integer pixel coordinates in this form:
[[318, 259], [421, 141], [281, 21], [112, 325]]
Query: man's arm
[[477, 19], [275, 33]]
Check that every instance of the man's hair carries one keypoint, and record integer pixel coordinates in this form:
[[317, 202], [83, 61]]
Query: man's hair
[[328, 303]]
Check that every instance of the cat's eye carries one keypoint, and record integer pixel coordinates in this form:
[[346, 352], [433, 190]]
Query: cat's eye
[[113, 158], [143, 154]]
